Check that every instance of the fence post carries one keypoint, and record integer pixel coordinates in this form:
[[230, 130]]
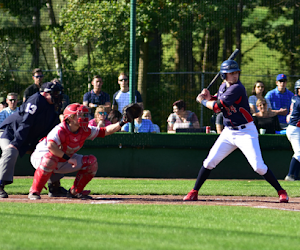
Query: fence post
[[132, 63]]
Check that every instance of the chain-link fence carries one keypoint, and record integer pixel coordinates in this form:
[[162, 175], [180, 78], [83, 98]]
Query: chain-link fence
[[179, 44]]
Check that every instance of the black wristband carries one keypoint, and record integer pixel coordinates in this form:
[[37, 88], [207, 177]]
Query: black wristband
[[66, 157], [121, 123]]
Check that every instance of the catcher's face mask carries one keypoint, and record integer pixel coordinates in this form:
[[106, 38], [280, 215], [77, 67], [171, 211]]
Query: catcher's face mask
[[83, 117], [82, 113]]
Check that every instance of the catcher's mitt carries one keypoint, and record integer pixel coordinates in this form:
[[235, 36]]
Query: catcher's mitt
[[131, 111]]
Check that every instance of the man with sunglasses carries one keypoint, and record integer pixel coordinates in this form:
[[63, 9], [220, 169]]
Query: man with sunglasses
[[280, 98], [37, 76], [122, 97], [96, 96], [12, 101]]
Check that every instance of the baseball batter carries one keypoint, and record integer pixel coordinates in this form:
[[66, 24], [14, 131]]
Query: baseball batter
[[293, 133], [239, 132], [56, 153]]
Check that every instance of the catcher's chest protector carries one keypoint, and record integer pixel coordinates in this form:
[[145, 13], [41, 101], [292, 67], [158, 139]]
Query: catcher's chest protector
[[70, 142]]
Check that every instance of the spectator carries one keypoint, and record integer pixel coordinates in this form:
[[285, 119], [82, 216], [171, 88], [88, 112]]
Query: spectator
[[266, 118], [293, 134], [100, 119], [181, 118], [21, 131], [12, 100], [37, 76], [219, 123], [280, 99], [140, 126], [114, 116], [122, 97], [96, 96], [147, 115], [258, 92], [3, 103]]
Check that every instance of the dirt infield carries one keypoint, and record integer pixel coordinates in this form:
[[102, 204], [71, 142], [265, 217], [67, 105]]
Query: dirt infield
[[256, 202]]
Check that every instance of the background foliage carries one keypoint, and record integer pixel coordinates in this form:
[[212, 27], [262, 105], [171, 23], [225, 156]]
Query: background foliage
[[179, 45]]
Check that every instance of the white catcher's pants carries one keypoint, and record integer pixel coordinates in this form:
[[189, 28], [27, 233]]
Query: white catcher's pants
[[245, 139]]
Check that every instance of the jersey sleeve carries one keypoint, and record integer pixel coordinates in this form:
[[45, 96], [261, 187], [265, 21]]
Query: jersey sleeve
[[107, 98], [32, 109], [56, 135], [231, 96], [96, 132], [86, 97]]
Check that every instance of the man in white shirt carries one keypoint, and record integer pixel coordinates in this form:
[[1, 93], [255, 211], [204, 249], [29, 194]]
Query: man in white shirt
[[122, 97]]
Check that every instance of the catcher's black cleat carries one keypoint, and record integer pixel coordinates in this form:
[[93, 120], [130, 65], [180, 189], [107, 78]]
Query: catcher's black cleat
[[56, 190], [83, 195]]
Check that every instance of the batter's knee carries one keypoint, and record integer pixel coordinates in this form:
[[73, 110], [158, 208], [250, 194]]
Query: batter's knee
[[89, 162], [209, 165], [261, 170], [49, 162]]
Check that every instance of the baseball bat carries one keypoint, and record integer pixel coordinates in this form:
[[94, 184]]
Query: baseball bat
[[232, 56]]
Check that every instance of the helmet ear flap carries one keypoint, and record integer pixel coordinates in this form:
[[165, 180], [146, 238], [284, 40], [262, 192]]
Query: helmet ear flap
[[223, 76]]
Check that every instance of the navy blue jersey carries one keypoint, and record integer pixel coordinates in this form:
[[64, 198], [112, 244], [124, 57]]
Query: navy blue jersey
[[234, 100], [34, 120], [295, 111]]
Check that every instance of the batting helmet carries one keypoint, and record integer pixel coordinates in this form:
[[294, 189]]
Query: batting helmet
[[228, 66], [297, 86], [81, 111]]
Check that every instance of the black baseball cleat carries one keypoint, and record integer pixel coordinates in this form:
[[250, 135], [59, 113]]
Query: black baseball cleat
[[3, 194], [56, 190], [83, 195]]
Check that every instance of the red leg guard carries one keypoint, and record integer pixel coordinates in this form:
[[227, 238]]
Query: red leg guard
[[39, 180], [43, 172], [85, 174]]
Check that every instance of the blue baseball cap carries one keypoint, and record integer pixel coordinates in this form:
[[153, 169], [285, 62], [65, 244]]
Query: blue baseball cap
[[281, 77]]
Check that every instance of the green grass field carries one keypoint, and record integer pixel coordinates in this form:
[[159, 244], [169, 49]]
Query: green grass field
[[126, 226]]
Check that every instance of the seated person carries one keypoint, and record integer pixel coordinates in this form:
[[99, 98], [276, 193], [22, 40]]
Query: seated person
[[100, 119], [140, 126], [181, 118], [114, 116], [147, 115], [258, 92], [265, 118]]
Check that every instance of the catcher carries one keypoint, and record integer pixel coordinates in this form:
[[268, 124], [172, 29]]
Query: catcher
[[56, 153]]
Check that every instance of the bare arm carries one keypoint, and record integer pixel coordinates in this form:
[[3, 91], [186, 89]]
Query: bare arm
[[170, 128], [196, 124], [112, 128]]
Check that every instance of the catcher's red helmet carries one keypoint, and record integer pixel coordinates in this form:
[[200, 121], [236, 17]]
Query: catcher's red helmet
[[81, 111]]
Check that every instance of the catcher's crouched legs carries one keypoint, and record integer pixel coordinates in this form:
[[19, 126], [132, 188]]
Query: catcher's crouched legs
[[84, 176], [42, 175]]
